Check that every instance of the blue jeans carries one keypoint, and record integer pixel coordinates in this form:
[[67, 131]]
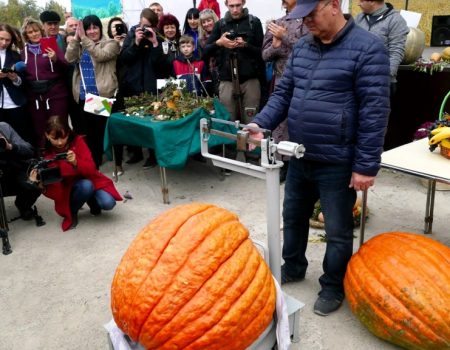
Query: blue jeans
[[306, 182], [83, 190]]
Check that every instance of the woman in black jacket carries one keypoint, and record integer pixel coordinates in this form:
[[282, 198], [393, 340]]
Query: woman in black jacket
[[12, 96], [142, 57]]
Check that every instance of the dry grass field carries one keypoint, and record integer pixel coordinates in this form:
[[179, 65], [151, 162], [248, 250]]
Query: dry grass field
[[428, 9]]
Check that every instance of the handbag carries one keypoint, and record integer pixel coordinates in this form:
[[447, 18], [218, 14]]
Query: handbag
[[95, 104]]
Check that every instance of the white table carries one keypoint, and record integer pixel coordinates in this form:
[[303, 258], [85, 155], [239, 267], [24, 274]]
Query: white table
[[415, 159]]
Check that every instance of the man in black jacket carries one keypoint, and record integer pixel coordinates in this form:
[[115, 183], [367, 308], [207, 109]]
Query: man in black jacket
[[236, 43], [14, 154]]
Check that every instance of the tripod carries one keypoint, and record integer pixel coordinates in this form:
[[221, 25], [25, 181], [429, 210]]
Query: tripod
[[4, 224], [237, 93]]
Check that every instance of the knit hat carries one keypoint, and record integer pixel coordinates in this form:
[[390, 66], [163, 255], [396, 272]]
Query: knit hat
[[49, 16]]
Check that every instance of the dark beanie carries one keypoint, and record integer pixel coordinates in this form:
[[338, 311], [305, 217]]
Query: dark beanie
[[49, 16]]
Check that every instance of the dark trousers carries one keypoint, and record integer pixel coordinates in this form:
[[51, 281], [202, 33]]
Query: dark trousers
[[20, 121], [306, 182], [15, 183], [95, 126]]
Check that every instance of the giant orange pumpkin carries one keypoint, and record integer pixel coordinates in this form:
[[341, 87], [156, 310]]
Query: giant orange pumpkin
[[192, 279], [398, 285]]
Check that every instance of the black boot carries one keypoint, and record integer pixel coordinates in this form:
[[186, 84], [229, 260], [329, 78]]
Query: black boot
[[94, 207]]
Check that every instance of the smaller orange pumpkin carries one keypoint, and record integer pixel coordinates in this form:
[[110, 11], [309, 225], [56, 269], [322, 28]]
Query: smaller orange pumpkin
[[397, 285]]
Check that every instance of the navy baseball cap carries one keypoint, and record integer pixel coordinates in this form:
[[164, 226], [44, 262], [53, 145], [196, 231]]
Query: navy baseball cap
[[303, 8]]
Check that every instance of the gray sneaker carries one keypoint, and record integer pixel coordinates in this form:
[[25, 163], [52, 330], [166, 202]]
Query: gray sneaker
[[324, 307]]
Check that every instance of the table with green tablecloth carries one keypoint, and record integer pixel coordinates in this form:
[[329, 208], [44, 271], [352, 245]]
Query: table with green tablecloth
[[173, 140]]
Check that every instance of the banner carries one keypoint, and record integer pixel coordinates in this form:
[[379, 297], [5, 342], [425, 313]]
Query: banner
[[101, 8]]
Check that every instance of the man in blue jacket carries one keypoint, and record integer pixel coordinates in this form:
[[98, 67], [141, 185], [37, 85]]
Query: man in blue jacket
[[335, 93]]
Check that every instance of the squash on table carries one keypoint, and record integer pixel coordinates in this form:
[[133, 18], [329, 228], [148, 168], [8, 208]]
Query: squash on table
[[192, 279], [398, 286]]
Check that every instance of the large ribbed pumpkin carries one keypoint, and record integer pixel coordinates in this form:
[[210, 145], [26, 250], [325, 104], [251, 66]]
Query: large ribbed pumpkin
[[398, 285], [192, 279]]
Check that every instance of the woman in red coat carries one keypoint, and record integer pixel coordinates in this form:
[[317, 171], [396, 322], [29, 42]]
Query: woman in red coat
[[81, 181]]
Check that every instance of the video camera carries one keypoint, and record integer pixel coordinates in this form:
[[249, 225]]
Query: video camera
[[232, 35], [45, 174]]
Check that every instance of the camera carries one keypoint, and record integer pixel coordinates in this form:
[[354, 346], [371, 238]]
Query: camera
[[148, 34], [232, 35], [45, 174], [120, 29], [7, 70]]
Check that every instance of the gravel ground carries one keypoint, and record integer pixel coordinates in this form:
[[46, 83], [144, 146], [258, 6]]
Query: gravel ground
[[55, 286]]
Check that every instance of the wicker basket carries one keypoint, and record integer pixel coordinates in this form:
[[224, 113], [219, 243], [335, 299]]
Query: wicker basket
[[445, 148]]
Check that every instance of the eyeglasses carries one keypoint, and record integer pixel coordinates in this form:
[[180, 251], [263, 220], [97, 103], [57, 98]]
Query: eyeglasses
[[315, 12]]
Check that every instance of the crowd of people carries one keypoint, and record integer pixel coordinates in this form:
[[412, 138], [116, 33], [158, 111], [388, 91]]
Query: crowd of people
[[329, 90]]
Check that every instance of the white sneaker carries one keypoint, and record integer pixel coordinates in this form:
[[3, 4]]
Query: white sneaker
[[120, 172]]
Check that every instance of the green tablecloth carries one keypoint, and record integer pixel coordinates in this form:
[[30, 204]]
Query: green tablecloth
[[173, 140]]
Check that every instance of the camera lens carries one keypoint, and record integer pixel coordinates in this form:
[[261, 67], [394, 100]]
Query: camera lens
[[2, 144]]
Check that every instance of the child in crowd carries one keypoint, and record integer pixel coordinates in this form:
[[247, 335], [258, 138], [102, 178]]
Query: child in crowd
[[191, 24], [81, 181], [187, 67]]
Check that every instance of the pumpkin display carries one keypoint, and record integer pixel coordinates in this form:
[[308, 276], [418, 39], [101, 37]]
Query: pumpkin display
[[192, 279], [398, 286]]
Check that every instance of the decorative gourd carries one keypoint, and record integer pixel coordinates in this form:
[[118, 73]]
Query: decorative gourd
[[446, 54], [414, 46], [192, 279], [398, 286]]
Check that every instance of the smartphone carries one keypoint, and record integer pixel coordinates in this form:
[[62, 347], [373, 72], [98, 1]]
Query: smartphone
[[120, 29], [49, 43]]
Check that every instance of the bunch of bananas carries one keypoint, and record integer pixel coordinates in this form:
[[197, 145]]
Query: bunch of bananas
[[439, 132]]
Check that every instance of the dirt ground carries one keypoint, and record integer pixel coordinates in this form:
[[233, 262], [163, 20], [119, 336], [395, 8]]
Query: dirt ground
[[55, 286]]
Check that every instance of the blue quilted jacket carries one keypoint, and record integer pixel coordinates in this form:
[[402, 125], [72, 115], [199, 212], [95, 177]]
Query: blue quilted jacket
[[336, 99]]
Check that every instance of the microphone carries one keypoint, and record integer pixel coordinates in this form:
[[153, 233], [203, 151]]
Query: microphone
[[20, 67]]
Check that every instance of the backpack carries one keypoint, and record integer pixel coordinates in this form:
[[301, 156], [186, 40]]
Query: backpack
[[223, 23]]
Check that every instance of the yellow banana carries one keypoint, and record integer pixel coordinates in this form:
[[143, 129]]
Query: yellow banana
[[439, 129], [444, 134]]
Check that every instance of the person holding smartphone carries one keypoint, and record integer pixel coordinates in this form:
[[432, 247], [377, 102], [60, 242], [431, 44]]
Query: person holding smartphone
[[13, 100], [44, 75], [117, 30]]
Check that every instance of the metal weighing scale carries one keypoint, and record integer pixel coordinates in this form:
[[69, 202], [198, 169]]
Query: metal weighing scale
[[269, 170]]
